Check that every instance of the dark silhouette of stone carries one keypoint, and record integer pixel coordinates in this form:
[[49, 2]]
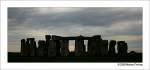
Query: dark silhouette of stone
[[119, 48], [91, 51], [97, 37], [122, 48], [41, 46], [23, 46], [56, 43], [27, 49], [47, 37], [132, 53], [64, 47], [104, 48], [97, 46], [125, 49], [112, 51], [54, 37], [59, 46], [56, 48], [94, 45], [32, 44], [51, 48], [79, 46], [84, 49]]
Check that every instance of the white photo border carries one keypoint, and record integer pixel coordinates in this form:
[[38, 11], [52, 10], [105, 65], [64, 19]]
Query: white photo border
[[146, 34]]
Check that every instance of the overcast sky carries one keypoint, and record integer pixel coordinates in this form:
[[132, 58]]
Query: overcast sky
[[113, 23]]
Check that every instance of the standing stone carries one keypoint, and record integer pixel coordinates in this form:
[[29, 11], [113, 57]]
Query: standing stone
[[84, 48], [51, 48], [91, 51], [32, 47], [104, 48], [57, 44], [27, 49], [64, 47], [23, 46], [79, 47], [98, 47], [119, 48], [126, 48], [94, 45], [41, 46], [35, 48], [112, 51], [47, 37], [122, 48]]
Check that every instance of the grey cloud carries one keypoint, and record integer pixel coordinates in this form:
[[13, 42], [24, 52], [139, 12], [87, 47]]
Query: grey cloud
[[109, 22], [91, 16], [19, 14], [85, 16]]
